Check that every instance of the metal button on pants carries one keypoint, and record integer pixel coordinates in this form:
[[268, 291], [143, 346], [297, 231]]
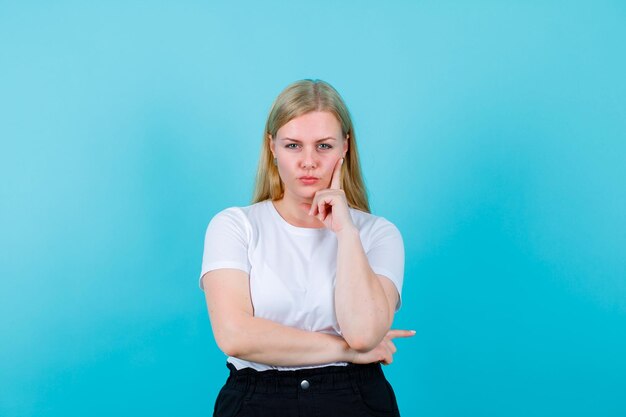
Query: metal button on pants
[[305, 384]]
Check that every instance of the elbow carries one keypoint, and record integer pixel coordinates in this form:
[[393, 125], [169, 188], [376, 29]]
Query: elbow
[[362, 344], [367, 336], [228, 337], [229, 346]]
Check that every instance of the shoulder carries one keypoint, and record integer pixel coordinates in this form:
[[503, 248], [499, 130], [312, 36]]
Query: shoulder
[[373, 225], [231, 217], [240, 218], [239, 214]]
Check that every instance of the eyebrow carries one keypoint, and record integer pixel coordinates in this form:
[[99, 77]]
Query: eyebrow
[[319, 140]]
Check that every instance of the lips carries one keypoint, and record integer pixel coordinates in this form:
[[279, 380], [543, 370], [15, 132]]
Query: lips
[[308, 180]]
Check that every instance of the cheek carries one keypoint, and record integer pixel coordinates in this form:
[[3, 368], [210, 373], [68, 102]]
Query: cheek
[[330, 163], [285, 169], [328, 169]]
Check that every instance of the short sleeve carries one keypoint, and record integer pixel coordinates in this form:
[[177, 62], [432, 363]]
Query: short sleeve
[[386, 254], [226, 242]]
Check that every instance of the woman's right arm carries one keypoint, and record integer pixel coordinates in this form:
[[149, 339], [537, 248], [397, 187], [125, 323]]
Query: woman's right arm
[[240, 334]]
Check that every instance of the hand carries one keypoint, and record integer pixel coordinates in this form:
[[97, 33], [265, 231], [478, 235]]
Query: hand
[[382, 353], [330, 205]]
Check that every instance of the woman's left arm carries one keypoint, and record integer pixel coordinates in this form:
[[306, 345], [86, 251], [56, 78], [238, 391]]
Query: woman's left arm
[[365, 303]]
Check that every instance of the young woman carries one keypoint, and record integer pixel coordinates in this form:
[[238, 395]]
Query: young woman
[[302, 285]]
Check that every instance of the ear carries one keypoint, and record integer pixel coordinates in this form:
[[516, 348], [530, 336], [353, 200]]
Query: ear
[[345, 145]]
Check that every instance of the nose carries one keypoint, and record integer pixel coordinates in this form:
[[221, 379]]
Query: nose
[[309, 159]]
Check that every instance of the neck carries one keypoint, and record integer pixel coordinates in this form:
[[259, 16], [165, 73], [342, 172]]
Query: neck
[[295, 210]]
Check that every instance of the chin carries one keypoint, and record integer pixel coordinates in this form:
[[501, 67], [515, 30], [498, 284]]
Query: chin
[[305, 194]]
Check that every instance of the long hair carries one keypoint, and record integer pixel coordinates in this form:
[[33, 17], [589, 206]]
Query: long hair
[[295, 100]]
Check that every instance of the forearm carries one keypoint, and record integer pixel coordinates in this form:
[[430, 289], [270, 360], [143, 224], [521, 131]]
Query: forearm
[[360, 302], [260, 340]]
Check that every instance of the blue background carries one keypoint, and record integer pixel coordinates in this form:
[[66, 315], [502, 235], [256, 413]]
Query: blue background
[[492, 134]]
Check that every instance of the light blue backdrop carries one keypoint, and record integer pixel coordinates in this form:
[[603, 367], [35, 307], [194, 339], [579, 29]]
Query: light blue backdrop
[[492, 133]]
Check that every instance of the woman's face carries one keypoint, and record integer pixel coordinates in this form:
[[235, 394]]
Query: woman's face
[[307, 149]]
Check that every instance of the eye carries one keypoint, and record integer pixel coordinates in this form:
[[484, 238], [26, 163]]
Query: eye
[[291, 145], [325, 146]]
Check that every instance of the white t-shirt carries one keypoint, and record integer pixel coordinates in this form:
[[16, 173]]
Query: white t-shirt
[[292, 269]]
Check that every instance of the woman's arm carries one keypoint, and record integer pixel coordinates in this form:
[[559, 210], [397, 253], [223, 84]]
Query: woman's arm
[[364, 302], [238, 333]]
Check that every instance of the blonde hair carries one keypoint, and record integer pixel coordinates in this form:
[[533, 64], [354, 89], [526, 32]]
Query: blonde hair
[[295, 100]]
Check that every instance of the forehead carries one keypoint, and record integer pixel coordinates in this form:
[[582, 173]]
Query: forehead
[[311, 126]]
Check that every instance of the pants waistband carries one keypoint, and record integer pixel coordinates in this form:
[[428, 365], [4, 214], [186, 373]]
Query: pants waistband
[[302, 380]]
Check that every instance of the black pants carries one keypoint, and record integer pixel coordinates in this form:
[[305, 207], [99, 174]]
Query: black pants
[[353, 390]]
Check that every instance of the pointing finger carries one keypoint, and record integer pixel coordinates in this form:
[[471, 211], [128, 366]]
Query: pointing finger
[[335, 183], [392, 334]]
